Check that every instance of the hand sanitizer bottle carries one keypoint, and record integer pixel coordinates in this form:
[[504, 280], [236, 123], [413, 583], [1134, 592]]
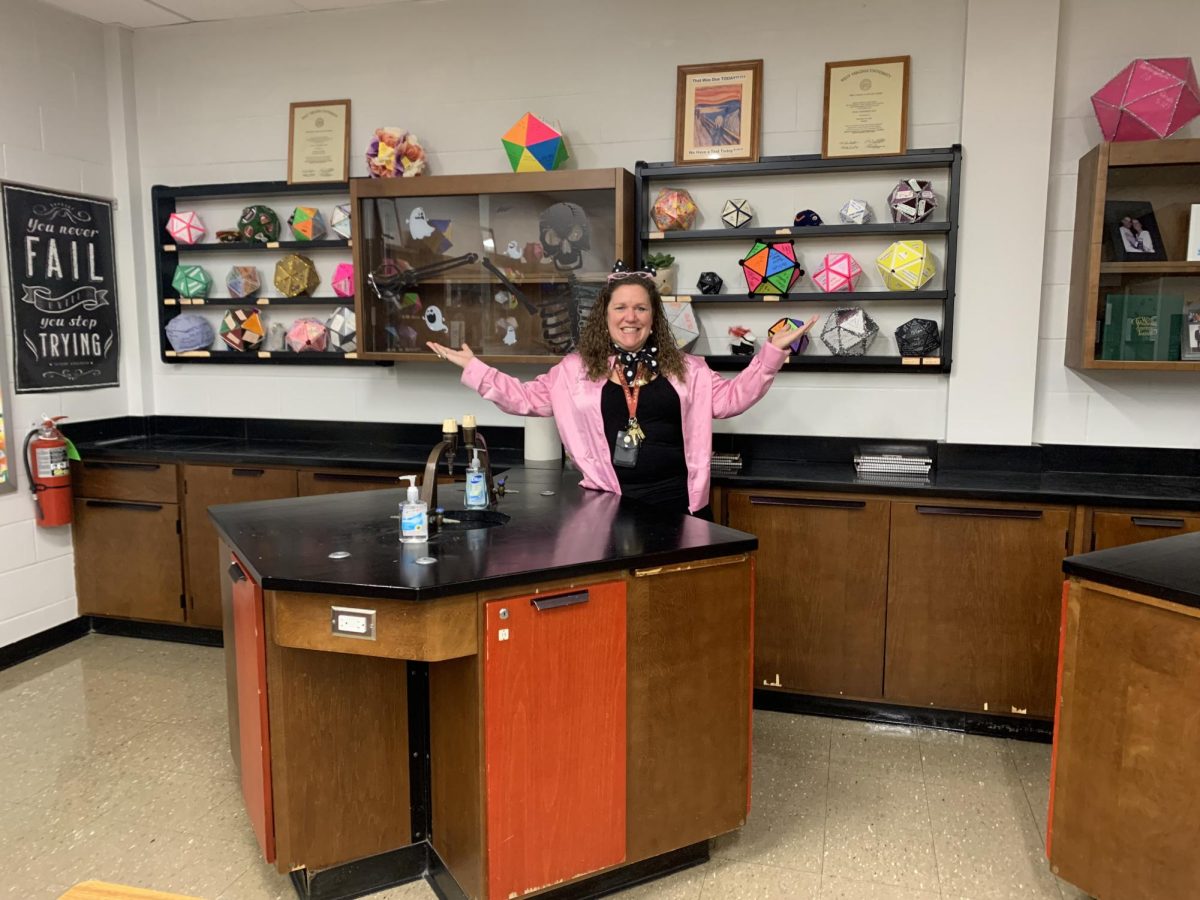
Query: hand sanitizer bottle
[[477, 493], [414, 515]]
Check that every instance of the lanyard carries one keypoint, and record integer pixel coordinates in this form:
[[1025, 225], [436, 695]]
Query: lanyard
[[631, 394]]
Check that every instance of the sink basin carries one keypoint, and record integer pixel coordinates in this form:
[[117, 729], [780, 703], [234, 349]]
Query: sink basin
[[467, 519]]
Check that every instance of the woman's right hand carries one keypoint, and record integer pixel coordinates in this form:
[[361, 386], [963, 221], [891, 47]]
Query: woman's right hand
[[459, 357]]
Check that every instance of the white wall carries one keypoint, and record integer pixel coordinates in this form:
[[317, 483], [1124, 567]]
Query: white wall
[[1097, 39], [54, 133]]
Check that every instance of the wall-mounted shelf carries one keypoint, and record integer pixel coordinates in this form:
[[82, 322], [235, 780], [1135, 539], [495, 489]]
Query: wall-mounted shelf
[[839, 298], [272, 357], [257, 246], [905, 364], [259, 301], [915, 229]]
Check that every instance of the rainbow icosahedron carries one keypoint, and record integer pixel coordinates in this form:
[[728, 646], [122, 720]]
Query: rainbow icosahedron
[[191, 281], [343, 279], [837, 272], [1148, 99], [788, 324], [243, 329], [771, 268], [534, 146], [185, 227], [906, 266], [307, 223]]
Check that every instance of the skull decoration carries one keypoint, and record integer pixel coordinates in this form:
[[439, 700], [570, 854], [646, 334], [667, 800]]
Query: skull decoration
[[565, 234]]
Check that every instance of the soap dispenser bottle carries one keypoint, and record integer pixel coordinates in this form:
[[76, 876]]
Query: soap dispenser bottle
[[414, 515], [477, 492]]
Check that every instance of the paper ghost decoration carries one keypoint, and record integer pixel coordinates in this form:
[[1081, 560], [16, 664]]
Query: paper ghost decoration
[[433, 318]]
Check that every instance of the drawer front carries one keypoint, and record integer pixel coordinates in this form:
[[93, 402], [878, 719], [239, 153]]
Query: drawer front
[[313, 483], [148, 482]]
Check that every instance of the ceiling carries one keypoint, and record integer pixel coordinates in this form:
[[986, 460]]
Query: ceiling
[[153, 13]]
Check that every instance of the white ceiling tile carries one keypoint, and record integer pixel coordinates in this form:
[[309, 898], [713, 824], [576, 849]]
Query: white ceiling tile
[[130, 13], [212, 10]]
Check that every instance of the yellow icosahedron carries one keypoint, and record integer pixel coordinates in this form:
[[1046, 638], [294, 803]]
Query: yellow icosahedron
[[906, 266]]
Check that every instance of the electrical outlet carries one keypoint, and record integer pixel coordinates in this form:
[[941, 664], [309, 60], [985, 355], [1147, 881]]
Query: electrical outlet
[[345, 621]]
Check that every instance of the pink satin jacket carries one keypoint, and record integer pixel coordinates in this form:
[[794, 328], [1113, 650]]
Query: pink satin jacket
[[566, 393]]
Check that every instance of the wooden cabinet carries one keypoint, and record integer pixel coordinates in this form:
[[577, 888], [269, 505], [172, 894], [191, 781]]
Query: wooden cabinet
[[973, 605], [1116, 528], [821, 599], [315, 482], [206, 486], [126, 537]]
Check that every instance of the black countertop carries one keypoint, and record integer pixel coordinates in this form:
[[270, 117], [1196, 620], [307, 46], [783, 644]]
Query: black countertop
[[572, 532], [1168, 568]]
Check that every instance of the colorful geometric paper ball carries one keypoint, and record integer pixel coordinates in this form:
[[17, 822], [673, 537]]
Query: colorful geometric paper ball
[[673, 210], [243, 282], [307, 335], [912, 200], [918, 337], [534, 146], [856, 212], [339, 222], [807, 218], [709, 283], [342, 328], [296, 275], [906, 266], [185, 227], [837, 272], [343, 279], [771, 268], [307, 223], [259, 223], [243, 329], [189, 332], [786, 324], [737, 213], [848, 331], [395, 153], [1148, 99], [191, 281]]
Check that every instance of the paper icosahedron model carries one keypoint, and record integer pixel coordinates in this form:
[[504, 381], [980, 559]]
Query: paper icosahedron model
[[191, 281], [243, 329], [189, 332], [340, 222], [905, 266], [534, 146], [918, 337], [307, 335], [259, 223], [243, 282], [838, 272], [737, 213], [307, 223], [343, 330], [771, 268], [786, 324], [709, 283], [682, 319], [296, 275], [1148, 99], [911, 201], [185, 227], [856, 212], [848, 331], [343, 279], [673, 210]]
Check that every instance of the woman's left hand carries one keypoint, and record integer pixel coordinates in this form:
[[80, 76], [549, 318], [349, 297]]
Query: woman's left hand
[[784, 339]]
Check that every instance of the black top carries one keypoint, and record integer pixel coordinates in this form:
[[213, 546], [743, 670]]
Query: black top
[[660, 476], [1168, 568]]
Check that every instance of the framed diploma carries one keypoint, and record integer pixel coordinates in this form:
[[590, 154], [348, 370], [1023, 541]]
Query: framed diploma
[[718, 112], [319, 141], [866, 107]]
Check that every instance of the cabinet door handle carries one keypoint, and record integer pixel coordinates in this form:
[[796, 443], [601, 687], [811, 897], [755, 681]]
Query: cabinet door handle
[[235, 573], [124, 504], [819, 503], [1156, 522], [248, 473], [578, 597], [360, 479], [987, 512], [144, 467]]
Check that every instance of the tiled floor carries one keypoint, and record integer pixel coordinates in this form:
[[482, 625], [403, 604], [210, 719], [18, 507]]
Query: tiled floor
[[117, 768]]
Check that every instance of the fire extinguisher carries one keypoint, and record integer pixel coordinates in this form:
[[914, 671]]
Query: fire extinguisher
[[49, 471]]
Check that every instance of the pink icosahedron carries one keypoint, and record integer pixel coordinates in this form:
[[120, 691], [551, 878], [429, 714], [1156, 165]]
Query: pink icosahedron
[[185, 227], [1148, 99], [837, 272], [343, 279]]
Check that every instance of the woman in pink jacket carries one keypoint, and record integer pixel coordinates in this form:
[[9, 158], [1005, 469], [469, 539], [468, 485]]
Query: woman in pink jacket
[[634, 412]]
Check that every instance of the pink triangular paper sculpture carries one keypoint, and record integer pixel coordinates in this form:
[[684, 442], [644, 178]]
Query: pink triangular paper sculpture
[[1148, 99]]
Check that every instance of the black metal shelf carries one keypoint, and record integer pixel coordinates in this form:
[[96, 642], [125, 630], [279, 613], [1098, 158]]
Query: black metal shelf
[[808, 231], [259, 301], [930, 366], [265, 358], [256, 246], [805, 164], [838, 297], [249, 189]]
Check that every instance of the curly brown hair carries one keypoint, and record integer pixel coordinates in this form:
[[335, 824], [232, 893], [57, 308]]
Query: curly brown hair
[[596, 346]]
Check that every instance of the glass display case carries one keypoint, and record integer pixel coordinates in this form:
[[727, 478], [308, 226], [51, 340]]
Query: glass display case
[[508, 264]]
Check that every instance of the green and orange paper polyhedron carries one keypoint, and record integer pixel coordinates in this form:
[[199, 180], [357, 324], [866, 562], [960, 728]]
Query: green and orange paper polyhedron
[[534, 146], [771, 268]]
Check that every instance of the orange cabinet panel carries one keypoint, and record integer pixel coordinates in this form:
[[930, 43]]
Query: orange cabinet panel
[[253, 730]]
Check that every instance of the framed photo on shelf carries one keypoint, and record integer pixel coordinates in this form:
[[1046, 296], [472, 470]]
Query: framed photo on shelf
[[1133, 231], [718, 112], [1190, 335], [319, 141], [1193, 247], [866, 107]]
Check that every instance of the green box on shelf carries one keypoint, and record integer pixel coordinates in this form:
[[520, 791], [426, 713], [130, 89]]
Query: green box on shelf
[[1141, 327]]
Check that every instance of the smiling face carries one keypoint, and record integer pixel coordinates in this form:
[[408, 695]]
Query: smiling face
[[630, 317]]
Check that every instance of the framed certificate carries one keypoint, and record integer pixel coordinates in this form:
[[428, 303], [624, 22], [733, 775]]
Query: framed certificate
[[866, 107], [718, 112], [319, 141]]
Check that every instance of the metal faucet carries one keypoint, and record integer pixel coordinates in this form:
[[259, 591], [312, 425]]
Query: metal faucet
[[446, 447]]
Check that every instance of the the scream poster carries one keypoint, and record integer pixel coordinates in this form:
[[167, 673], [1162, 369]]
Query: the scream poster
[[62, 280]]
